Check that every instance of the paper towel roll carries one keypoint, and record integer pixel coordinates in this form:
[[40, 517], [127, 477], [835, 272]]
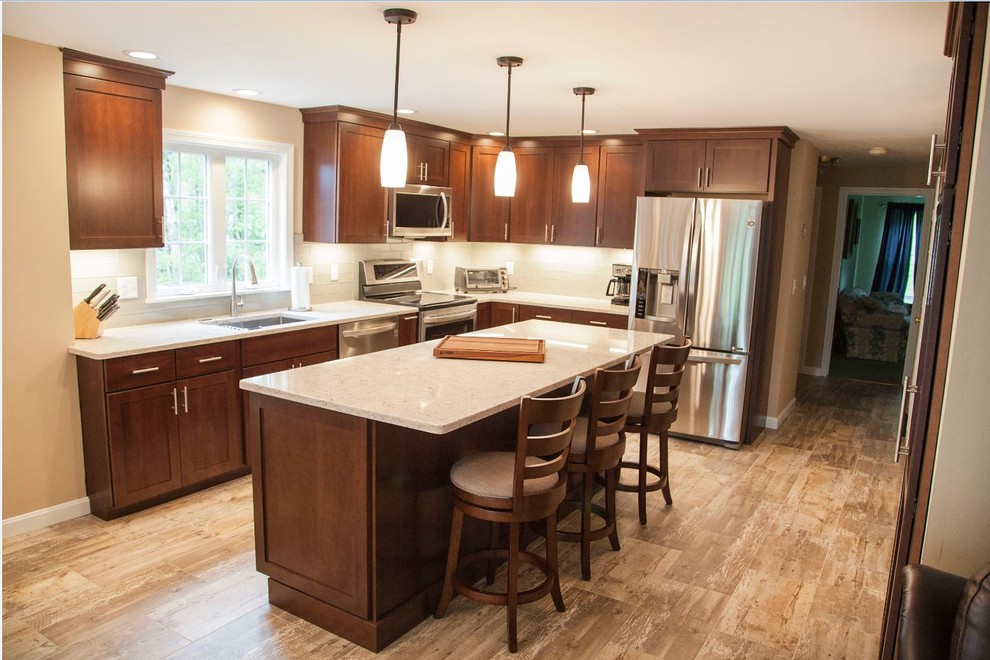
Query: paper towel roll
[[299, 288]]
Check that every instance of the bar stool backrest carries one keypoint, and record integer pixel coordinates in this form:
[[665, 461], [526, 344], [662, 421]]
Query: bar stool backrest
[[663, 384], [611, 394]]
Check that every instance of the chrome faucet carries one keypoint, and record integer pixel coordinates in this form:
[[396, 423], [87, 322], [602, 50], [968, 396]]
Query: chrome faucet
[[235, 304]]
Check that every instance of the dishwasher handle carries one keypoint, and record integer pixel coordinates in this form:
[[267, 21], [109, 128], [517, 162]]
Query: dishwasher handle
[[373, 330]]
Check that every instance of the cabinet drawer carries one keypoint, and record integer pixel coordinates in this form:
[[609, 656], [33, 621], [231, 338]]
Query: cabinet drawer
[[139, 370], [285, 345], [205, 359], [527, 312], [601, 319]]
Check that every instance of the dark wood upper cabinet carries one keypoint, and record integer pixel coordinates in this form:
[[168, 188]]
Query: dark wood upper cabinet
[[427, 159], [731, 165], [113, 152], [620, 177], [530, 215], [573, 223], [489, 214], [459, 176]]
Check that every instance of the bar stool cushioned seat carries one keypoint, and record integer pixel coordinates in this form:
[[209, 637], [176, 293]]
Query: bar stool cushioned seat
[[490, 475]]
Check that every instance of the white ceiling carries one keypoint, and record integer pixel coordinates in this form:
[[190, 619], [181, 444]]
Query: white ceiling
[[845, 75]]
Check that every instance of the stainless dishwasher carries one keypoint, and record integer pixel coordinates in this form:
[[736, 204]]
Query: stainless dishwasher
[[368, 336]]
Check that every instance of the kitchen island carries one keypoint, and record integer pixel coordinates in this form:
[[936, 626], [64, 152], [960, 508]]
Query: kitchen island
[[351, 460]]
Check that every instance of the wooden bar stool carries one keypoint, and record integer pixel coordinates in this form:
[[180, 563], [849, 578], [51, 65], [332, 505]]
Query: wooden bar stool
[[597, 448], [653, 411], [515, 488]]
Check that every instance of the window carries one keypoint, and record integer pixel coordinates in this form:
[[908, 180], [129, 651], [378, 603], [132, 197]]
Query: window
[[223, 198]]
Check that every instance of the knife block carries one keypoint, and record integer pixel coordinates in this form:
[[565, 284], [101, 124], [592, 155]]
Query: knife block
[[85, 321]]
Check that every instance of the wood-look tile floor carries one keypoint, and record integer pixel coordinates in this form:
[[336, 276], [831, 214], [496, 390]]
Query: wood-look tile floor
[[778, 550]]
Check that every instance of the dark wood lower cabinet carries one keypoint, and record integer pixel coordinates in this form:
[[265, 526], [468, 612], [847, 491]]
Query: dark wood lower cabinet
[[210, 440], [503, 313], [529, 312], [408, 329]]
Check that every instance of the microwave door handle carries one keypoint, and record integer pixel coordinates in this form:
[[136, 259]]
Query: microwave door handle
[[446, 214]]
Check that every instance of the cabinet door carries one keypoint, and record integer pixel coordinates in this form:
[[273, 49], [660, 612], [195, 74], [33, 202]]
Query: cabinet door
[[503, 313], [210, 439], [601, 319], [737, 166], [113, 158], [144, 443], [528, 312], [620, 176], [483, 320], [675, 165], [427, 161], [361, 200], [572, 223], [408, 329], [460, 189], [531, 207], [489, 214]]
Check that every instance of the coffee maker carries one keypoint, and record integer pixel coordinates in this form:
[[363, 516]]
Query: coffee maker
[[619, 285]]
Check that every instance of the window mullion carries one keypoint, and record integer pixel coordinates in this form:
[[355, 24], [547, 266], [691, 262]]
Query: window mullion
[[218, 221]]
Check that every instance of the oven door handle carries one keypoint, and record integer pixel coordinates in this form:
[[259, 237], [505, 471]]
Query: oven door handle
[[364, 332], [446, 318]]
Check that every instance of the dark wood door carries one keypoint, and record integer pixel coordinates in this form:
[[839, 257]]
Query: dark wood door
[[113, 154], [530, 216], [483, 320], [408, 329], [620, 181], [210, 440], [675, 165], [460, 190], [503, 313], [427, 161], [737, 166], [489, 221], [573, 223], [144, 443], [529, 312], [361, 200]]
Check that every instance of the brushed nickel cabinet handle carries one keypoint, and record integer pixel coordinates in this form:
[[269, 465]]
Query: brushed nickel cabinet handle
[[514, 309], [410, 318], [175, 400], [505, 232], [553, 233], [597, 322], [544, 317], [546, 230], [215, 358], [709, 184], [700, 170], [146, 370], [426, 171], [185, 399], [598, 234]]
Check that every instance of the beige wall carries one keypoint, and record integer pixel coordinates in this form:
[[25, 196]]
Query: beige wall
[[957, 532], [790, 304], [859, 176], [42, 442]]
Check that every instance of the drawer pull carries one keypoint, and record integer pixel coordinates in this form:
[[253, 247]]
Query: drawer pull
[[215, 358], [411, 318], [597, 322], [544, 317], [146, 370]]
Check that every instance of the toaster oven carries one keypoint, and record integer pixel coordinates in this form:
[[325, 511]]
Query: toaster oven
[[495, 280]]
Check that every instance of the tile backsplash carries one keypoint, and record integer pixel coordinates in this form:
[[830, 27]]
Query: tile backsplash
[[575, 271]]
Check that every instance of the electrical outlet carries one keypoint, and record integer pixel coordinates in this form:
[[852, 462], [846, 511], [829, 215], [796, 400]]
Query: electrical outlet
[[127, 288], [309, 274], [334, 272], [510, 268], [429, 266]]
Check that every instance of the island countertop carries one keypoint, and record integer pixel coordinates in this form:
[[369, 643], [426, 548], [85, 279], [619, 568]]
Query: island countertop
[[409, 387]]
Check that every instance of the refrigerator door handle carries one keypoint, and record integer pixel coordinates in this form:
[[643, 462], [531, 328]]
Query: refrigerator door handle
[[708, 359], [689, 272]]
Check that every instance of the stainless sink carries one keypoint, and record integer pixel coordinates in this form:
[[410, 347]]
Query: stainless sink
[[255, 322]]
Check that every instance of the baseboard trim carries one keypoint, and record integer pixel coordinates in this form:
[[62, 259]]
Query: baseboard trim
[[813, 371], [29, 522], [775, 423]]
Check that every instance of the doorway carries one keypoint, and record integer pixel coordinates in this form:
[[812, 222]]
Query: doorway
[[872, 331]]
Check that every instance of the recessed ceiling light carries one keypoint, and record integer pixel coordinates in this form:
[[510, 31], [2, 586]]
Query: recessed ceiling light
[[406, 111], [589, 131], [496, 133], [141, 54], [878, 151], [247, 92]]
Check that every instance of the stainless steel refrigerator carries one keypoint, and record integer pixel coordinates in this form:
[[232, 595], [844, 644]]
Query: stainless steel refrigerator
[[695, 266]]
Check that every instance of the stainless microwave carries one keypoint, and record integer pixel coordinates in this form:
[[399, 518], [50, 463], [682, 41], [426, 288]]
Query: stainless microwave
[[421, 212]]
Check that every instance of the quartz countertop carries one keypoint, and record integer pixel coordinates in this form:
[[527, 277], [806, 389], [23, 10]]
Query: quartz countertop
[[137, 339], [409, 387], [551, 300]]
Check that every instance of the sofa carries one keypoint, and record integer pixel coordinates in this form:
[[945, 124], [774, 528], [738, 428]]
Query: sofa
[[944, 615], [873, 326]]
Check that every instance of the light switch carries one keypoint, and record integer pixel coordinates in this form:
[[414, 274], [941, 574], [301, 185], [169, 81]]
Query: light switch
[[510, 268], [127, 288], [429, 266], [334, 272]]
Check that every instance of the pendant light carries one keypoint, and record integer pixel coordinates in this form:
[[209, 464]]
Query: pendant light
[[505, 166], [394, 163], [581, 179]]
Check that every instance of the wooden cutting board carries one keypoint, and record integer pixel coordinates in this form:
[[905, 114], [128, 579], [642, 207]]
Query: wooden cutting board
[[507, 349]]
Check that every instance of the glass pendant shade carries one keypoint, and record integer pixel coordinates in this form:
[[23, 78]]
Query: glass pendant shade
[[505, 174], [393, 164], [581, 184]]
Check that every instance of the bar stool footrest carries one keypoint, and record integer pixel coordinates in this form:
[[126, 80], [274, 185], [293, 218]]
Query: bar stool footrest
[[656, 484], [466, 589]]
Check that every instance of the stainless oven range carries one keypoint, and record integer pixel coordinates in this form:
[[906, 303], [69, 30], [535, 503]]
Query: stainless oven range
[[398, 282]]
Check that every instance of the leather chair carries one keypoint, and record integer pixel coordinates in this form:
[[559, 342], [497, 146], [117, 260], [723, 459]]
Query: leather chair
[[514, 488], [597, 448], [944, 615]]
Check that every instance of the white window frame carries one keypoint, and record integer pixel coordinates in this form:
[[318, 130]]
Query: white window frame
[[282, 155]]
